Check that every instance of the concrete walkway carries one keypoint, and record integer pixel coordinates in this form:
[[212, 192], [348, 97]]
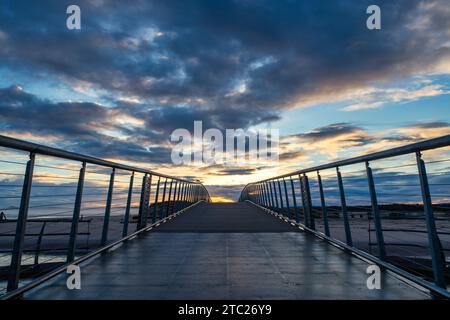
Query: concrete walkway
[[226, 251]]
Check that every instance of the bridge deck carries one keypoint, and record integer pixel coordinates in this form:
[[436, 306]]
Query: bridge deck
[[226, 251]]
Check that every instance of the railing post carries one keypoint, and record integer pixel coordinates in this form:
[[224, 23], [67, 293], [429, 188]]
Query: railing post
[[163, 204], [287, 200], [186, 195], [174, 202], [437, 254], [39, 243], [266, 195], [197, 189], [275, 195], [155, 205], [271, 194], [16, 258], [168, 198], [180, 196], [186, 188], [297, 218], [76, 215], [126, 218], [375, 212], [260, 197], [108, 208], [307, 202], [281, 197], [323, 205], [348, 233], [144, 205]]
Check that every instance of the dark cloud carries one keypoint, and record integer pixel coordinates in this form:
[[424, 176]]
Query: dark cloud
[[237, 171], [291, 155], [78, 126], [330, 131], [335, 130], [208, 52], [430, 125]]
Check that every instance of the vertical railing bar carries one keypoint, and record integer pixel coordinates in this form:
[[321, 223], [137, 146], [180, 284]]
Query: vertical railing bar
[[180, 196], [185, 195], [76, 215], [287, 200], [307, 201], [297, 217], [305, 209], [271, 194], [375, 212], [281, 197], [348, 234], [168, 198], [323, 205], [437, 254], [147, 200], [266, 195], [275, 195], [195, 193], [39, 243], [155, 205], [142, 203], [16, 258], [126, 218], [174, 202], [108, 208], [163, 204], [258, 194]]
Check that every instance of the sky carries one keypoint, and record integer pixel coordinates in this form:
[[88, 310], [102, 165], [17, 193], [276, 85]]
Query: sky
[[137, 70]]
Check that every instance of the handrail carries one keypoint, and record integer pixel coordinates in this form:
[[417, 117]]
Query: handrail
[[18, 144], [273, 194], [176, 194], [33, 284], [389, 153], [440, 292]]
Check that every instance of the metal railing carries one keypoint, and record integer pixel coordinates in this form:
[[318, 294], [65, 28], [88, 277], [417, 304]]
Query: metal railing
[[57, 207], [392, 206]]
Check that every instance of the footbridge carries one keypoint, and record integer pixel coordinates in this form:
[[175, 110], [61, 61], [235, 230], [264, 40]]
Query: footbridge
[[327, 232]]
